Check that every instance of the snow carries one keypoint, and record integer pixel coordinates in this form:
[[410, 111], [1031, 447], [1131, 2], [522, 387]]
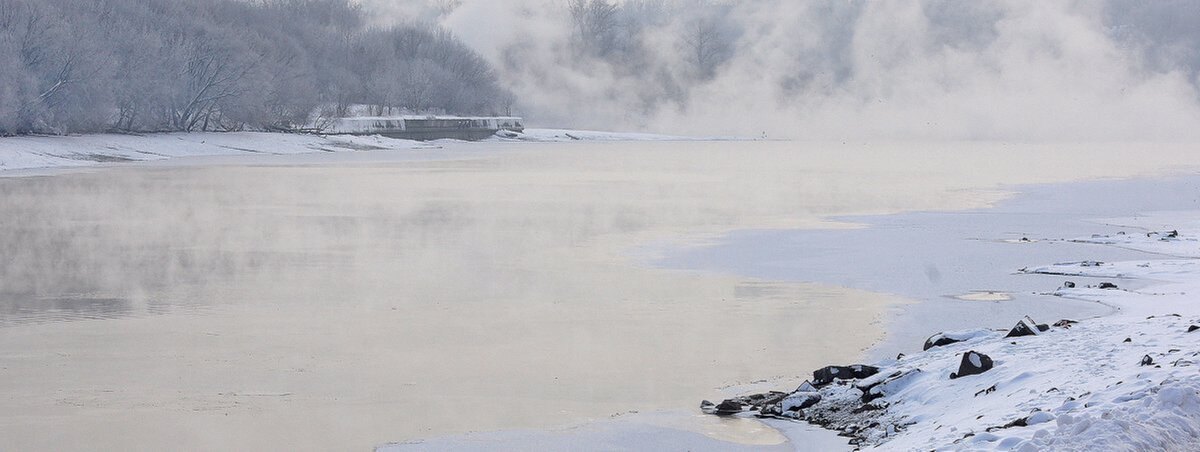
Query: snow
[[32, 152], [961, 335], [565, 135], [44, 152], [1072, 388]]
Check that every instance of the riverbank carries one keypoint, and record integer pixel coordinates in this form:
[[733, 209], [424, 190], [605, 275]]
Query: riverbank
[[977, 252], [1125, 381], [75, 151], [351, 299]]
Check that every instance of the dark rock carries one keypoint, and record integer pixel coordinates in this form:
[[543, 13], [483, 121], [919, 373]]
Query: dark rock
[[797, 401], [1147, 361], [826, 375], [806, 387], [759, 400], [1069, 285], [876, 388], [987, 391], [1022, 422], [1108, 285], [868, 407], [1064, 323], [899, 357], [708, 407], [771, 405], [729, 407], [939, 340], [1042, 327], [1193, 328], [1128, 340], [973, 363], [862, 371], [1024, 327], [1173, 234]]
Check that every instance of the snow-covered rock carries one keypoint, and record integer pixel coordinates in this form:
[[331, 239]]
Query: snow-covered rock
[[953, 337]]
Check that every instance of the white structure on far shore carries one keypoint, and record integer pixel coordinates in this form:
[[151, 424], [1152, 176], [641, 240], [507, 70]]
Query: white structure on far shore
[[426, 127]]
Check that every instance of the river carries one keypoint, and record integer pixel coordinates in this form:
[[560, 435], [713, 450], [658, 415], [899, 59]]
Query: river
[[339, 304]]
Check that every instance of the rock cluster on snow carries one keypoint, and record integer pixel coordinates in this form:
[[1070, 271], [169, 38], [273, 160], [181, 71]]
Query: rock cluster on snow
[[853, 400], [1126, 381]]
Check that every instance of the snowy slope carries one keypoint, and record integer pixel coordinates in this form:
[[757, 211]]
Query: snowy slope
[[30, 152], [1081, 386]]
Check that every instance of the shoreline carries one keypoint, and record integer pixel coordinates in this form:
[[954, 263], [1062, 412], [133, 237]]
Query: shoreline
[[43, 154], [1060, 387], [1139, 279], [931, 256], [369, 155], [1084, 215]]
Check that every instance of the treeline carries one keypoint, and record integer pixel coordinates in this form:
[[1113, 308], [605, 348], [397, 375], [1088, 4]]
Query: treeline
[[646, 54], [165, 65]]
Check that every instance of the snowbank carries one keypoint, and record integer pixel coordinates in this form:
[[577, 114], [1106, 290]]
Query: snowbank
[[39, 152], [30, 152], [1129, 381], [566, 135]]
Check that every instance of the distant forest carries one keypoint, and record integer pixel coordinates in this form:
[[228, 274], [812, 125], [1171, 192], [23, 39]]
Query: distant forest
[[74, 66]]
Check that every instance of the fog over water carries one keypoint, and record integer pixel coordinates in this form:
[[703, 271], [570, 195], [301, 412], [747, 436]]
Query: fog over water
[[343, 300], [933, 69], [344, 305]]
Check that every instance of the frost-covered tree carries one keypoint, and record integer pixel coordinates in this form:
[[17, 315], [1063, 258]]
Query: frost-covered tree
[[159, 65], [595, 24]]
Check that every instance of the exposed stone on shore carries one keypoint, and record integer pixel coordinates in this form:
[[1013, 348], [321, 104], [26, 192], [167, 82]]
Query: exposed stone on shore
[[1027, 327], [853, 400], [973, 363]]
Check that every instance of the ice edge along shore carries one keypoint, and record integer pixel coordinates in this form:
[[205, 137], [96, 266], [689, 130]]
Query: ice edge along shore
[[1128, 381], [50, 152]]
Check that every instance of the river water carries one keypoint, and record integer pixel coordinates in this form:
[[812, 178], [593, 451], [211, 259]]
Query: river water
[[344, 303]]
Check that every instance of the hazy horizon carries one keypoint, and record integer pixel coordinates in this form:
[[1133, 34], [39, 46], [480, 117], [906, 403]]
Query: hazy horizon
[[988, 70]]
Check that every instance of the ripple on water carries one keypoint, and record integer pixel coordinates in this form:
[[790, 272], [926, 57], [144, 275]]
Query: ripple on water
[[33, 310]]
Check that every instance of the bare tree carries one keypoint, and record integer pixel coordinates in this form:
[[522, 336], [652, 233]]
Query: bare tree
[[706, 47], [595, 24], [157, 65]]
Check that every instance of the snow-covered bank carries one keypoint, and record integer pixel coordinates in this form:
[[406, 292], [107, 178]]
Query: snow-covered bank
[[43, 152], [34, 152], [1128, 381], [566, 135]]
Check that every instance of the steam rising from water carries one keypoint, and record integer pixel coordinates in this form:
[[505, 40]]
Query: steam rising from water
[[935, 69]]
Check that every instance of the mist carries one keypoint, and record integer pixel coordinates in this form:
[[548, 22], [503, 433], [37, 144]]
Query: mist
[[928, 70]]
